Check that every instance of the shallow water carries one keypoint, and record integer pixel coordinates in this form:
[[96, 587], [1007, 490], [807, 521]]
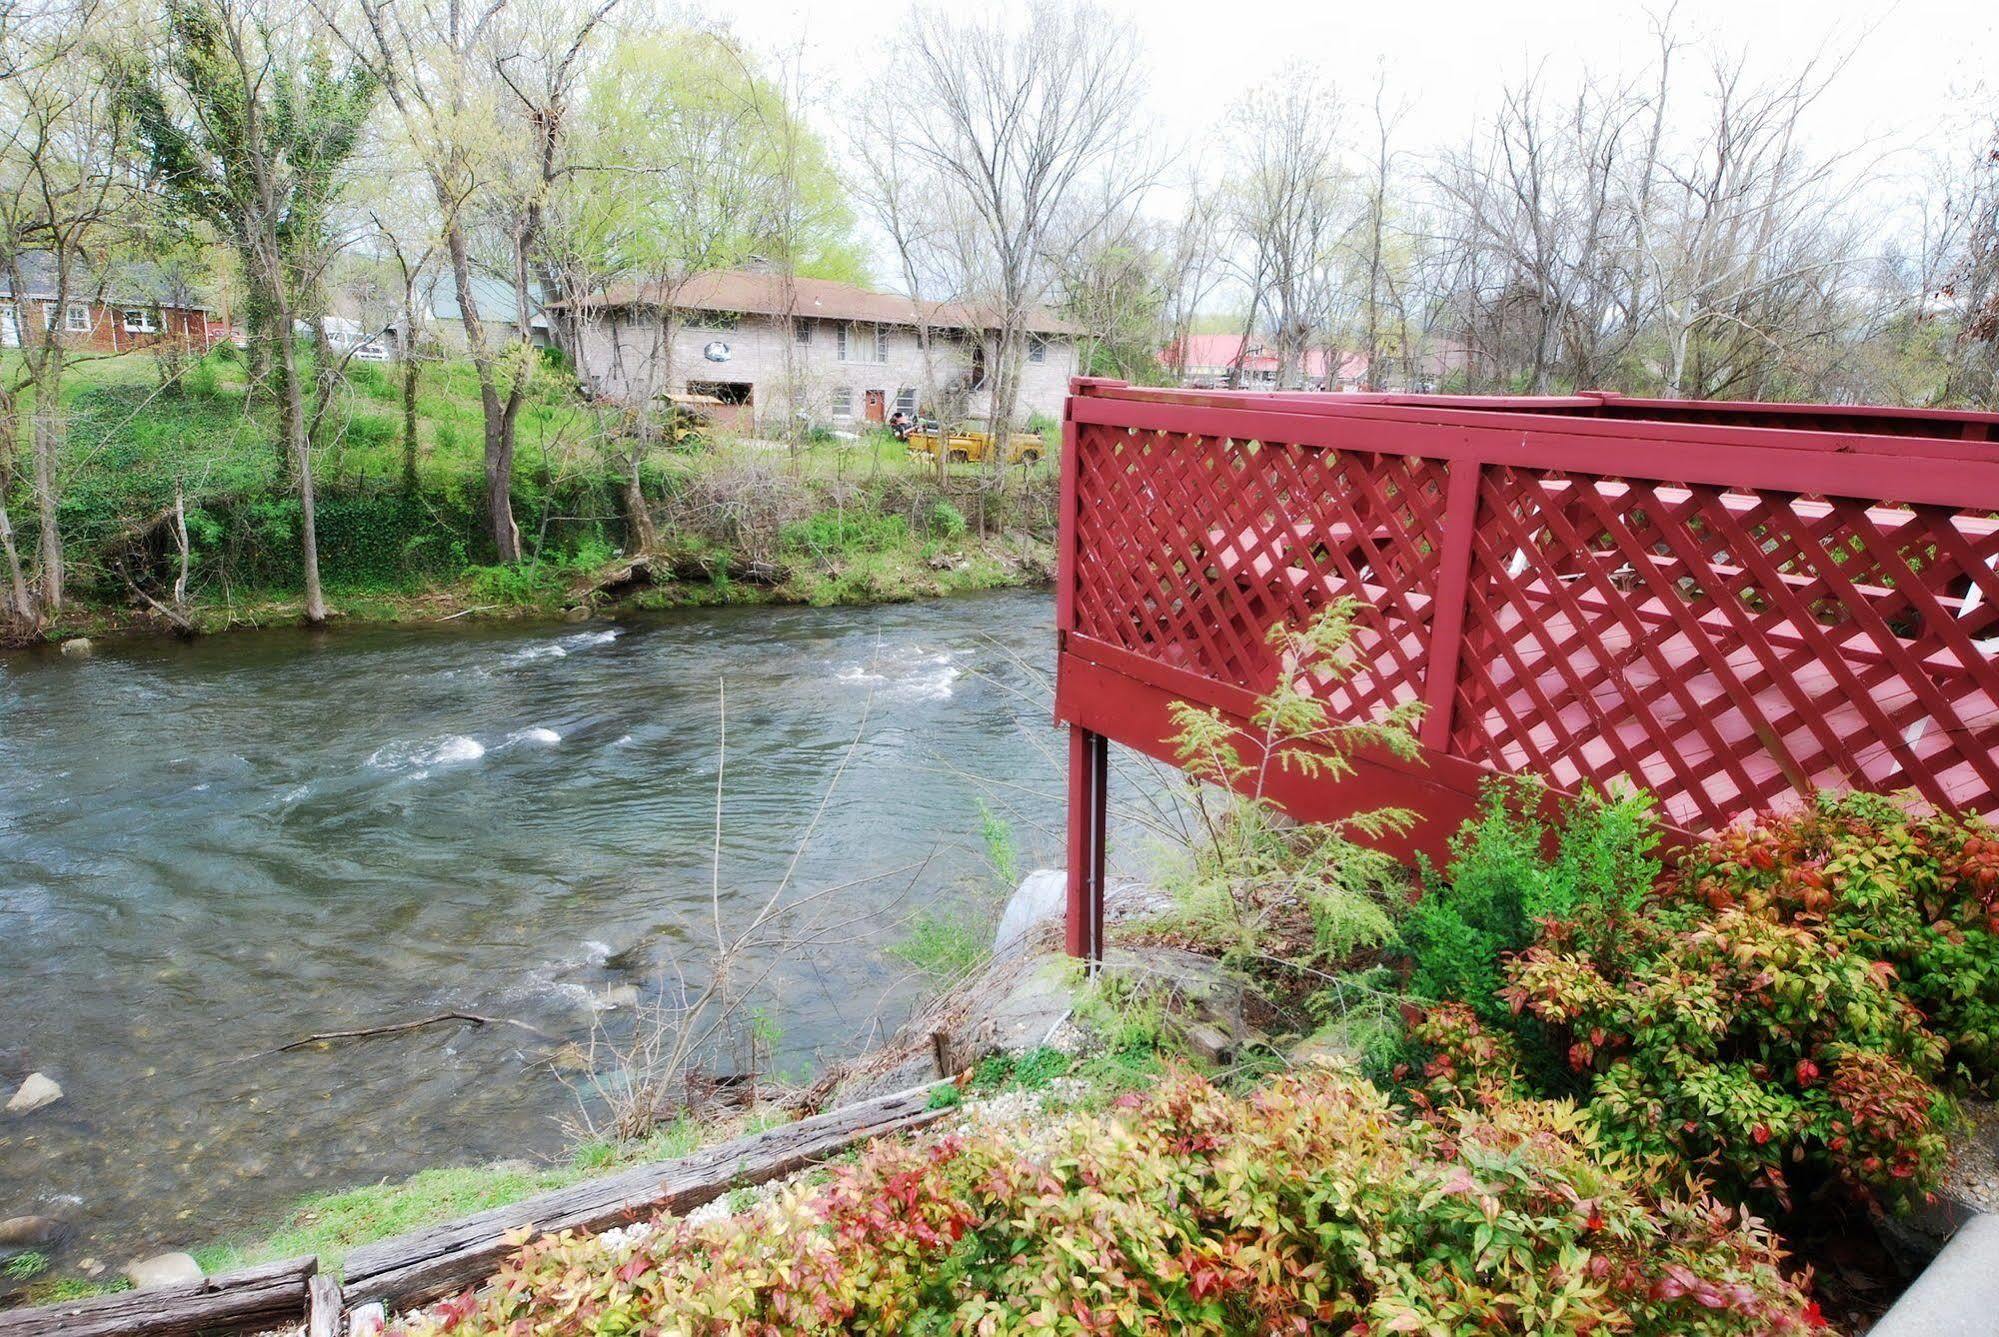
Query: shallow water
[[210, 850]]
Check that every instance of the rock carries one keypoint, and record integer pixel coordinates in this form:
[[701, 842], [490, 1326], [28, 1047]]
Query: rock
[[163, 1269], [580, 613], [1043, 898], [78, 647], [1321, 1050], [29, 1232], [617, 996], [91, 1267], [1043, 895], [368, 1320], [36, 1092], [913, 1069], [569, 1057]]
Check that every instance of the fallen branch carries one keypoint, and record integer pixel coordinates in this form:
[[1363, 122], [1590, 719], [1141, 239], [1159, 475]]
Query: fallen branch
[[391, 1028]]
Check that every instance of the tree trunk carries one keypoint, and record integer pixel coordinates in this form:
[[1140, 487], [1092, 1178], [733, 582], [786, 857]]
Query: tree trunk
[[19, 606], [47, 444], [497, 412], [412, 372], [301, 456]]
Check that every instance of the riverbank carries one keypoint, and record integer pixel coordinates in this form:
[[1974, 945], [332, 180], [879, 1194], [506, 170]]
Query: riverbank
[[836, 518]]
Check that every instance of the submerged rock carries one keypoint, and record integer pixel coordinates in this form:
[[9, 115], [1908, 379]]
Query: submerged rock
[[620, 995], [163, 1269], [28, 1232], [36, 1092], [78, 647]]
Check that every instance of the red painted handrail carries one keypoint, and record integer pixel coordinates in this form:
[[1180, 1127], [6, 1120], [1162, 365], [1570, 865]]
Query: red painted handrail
[[1730, 604]]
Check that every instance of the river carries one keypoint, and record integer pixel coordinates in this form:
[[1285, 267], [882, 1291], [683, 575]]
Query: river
[[210, 850]]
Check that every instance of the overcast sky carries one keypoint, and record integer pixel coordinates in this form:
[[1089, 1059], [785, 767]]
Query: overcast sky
[[1913, 64]]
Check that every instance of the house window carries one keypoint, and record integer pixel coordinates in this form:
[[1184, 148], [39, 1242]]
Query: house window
[[714, 320], [1037, 348], [138, 320], [843, 401], [905, 400], [76, 318], [801, 331], [881, 343], [840, 342], [48, 315]]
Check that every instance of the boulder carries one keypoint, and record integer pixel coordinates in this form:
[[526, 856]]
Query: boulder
[[615, 997], [78, 647], [163, 1269], [30, 1232], [1042, 896], [36, 1092]]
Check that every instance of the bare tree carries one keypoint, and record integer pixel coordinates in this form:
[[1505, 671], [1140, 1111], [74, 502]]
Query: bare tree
[[65, 189], [1288, 207], [1017, 121]]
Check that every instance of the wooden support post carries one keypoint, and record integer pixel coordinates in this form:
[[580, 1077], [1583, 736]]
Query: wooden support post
[[1440, 679], [324, 1313], [1089, 772]]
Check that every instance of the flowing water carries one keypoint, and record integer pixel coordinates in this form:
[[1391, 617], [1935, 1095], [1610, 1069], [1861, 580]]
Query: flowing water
[[208, 851]]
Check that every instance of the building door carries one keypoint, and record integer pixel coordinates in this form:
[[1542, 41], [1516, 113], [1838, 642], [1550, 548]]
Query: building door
[[877, 405]]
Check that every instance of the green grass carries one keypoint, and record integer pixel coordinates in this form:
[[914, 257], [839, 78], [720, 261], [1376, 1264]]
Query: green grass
[[944, 946]]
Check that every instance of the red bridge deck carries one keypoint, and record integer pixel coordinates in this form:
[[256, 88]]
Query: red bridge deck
[[1730, 604]]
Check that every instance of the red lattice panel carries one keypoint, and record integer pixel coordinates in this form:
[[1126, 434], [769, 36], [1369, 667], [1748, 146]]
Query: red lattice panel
[[1728, 649], [1189, 548], [1728, 617]]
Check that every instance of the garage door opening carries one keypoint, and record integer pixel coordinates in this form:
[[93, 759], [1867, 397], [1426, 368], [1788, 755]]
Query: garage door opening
[[738, 400]]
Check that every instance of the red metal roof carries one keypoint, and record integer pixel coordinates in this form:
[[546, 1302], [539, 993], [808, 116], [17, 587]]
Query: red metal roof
[[749, 292], [1220, 350]]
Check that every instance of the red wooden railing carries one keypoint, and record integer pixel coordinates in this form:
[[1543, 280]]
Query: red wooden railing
[[1729, 604]]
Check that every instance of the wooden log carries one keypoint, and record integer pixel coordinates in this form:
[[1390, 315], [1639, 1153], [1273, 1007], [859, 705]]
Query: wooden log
[[421, 1266], [323, 1310], [269, 1295]]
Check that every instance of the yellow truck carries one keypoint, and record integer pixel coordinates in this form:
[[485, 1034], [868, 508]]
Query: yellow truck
[[972, 447]]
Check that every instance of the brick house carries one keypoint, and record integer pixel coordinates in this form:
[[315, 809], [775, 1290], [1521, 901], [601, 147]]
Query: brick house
[[125, 308], [769, 346]]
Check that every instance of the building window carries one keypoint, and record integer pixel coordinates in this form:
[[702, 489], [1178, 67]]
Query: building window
[[1037, 348], [48, 315], [138, 320], [714, 320], [843, 401], [881, 343], [840, 342], [76, 318], [905, 400], [802, 331]]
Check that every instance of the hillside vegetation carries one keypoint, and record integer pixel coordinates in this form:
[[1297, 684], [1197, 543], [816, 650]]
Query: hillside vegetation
[[400, 528]]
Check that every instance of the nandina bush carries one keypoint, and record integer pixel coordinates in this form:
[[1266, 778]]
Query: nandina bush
[[1310, 1205], [1749, 1049], [1917, 891]]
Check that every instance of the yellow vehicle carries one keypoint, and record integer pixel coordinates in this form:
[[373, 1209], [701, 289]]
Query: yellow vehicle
[[973, 447]]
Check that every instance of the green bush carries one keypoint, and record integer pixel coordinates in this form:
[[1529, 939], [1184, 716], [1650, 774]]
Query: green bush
[[946, 521], [1500, 884], [844, 532]]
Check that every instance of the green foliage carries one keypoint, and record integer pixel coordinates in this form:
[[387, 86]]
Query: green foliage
[[946, 521], [944, 1097], [844, 532], [942, 945], [1500, 885], [1309, 1205], [331, 1224], [1916, 891], [25, 1266], [1001, 854]]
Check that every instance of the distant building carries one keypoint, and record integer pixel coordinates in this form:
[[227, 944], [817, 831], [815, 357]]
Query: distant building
[[1208, 361], [130, 306], [771, 347]]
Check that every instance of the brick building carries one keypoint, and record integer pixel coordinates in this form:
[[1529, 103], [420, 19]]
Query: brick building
[[124, 308], [839, 354]]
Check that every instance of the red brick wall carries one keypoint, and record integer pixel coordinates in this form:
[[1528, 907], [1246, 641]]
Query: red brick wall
[[107, 326]]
